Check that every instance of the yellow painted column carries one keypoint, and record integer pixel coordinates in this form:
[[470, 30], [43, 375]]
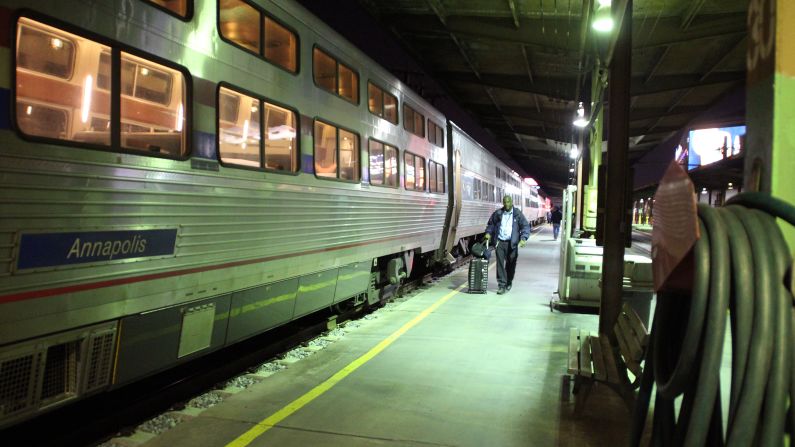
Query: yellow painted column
[[770, 104]]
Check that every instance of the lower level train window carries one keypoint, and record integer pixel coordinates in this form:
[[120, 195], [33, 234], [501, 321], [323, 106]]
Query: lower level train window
[[435, 177], [63, 97], [336, 152], [383, 164], [414, 171], [255, 133]]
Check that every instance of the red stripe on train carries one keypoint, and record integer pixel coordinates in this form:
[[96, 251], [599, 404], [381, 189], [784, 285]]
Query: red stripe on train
[[121, 281]]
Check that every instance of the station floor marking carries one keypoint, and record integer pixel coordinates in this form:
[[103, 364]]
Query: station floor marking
[[271, 421]]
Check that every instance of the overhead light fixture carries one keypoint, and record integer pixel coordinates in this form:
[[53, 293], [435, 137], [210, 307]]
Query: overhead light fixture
[[574, 153], [571, 169], [580, 121], [603, 18]]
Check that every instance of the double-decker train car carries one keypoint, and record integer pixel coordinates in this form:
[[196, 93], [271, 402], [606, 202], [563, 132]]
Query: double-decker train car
[[534, 208], [179, 175]]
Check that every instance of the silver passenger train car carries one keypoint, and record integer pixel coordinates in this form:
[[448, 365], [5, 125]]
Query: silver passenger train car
[[179, 175]]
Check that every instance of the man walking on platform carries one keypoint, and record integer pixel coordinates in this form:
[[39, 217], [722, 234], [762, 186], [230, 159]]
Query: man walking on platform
[[510, 230], [557, 216]]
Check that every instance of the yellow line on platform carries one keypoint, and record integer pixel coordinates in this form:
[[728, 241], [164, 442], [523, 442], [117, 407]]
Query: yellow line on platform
[[271, 421]]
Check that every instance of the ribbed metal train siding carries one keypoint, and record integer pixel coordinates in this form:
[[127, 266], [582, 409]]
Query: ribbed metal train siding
[[220, 219]]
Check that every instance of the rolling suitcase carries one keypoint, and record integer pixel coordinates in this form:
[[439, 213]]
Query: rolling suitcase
[[478, 275]]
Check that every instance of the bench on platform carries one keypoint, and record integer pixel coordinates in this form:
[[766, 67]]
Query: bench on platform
[[593, 359]]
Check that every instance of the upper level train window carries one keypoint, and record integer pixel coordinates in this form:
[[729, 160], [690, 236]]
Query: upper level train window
[[336, 152], [245, 122], [179, 8], [65, 98], [248, 27], [334, 76], [435, 177], [413, 121], [435, 134], [414, 171], [382, 103], [383, 164]]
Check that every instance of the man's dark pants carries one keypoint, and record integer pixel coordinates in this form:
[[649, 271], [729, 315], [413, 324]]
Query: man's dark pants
[[506, 263]]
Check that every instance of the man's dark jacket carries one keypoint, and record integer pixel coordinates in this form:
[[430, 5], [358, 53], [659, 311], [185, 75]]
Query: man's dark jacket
[[521, 228], [557, 216]]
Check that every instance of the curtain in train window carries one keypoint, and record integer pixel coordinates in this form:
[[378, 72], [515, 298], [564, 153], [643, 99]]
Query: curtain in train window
[[408, 118], [375, 100], [408, 161], [152, 106], [281, 143], [239, 128], [348, 83], [240, 23], [391, 166], [432, 176], [376, 150], [390, 108], [349, 155], [281, 45], [419, 168], [57, 94], [325, 150]]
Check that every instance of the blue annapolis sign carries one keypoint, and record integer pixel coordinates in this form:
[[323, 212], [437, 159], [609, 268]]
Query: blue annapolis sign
[[54, 249]]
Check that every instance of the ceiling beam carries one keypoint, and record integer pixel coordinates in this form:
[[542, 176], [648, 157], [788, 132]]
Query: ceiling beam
[[562, 87], [490, 31], [657, 64], [530, 113]]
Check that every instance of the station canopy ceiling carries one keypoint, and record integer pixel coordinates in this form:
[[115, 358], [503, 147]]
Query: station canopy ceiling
[[520, 67]]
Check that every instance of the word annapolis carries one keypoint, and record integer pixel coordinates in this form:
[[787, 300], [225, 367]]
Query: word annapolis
[[92, 249]]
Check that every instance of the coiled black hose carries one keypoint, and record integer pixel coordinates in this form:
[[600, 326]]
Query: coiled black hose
[[741, 266]]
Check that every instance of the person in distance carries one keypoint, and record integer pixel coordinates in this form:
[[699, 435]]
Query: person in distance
[[510, 230], [557, 216]]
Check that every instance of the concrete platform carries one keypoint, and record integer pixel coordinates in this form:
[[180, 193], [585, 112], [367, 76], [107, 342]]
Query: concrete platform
[[478, 370]]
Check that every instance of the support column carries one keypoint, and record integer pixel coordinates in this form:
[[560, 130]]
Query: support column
[[616, 229], [594, 149], [770, 103]]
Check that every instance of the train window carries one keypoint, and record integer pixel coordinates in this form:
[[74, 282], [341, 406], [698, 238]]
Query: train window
[[78, 108], [148, 127], [382, 103], [335, 77], [239, 22], [56, 108], [413, 121], [383, 164], [349, 155], [248, 27], [239, 129], [325, 150], [281, 45], [281, 148], [325, 71], [336, 152], [435, 134], [408, 171], [46, 52], [419, 168], [435, 177], [476, 189], [178, 7]]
